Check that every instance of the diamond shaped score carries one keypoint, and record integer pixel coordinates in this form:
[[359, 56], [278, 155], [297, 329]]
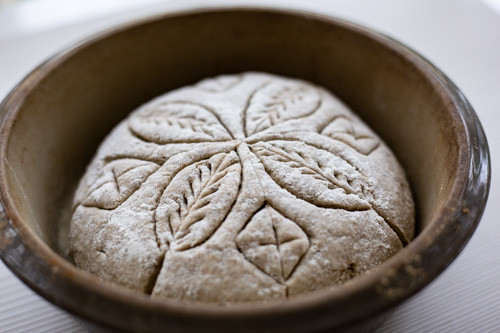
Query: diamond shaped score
[[272, 242]]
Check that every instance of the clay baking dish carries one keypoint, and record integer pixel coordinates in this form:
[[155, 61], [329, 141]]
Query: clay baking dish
[[54, 119]]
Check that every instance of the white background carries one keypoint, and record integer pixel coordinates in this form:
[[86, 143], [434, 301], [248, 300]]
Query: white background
[[461, 37]]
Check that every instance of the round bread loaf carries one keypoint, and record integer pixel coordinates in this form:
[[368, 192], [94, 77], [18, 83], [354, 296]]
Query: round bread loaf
[[240, 188]]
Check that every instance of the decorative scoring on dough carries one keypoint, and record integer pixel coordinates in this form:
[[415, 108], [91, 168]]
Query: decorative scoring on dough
[[198, 197]]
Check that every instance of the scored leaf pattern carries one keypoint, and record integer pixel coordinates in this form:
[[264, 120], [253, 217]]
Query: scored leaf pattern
[[178, 122], [307, 173], [117, 181], [197, 199], [273, 243], [276, 103], [344, 130]]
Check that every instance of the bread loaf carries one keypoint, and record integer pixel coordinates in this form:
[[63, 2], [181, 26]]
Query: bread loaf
[[240, 188]]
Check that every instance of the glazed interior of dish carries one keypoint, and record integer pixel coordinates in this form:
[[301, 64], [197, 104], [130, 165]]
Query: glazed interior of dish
[[63, 119]]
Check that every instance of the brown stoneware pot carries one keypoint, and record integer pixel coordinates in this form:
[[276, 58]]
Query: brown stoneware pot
[[53, 121]]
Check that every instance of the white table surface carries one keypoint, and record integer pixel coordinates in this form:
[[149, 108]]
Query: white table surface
[[461, 37]]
